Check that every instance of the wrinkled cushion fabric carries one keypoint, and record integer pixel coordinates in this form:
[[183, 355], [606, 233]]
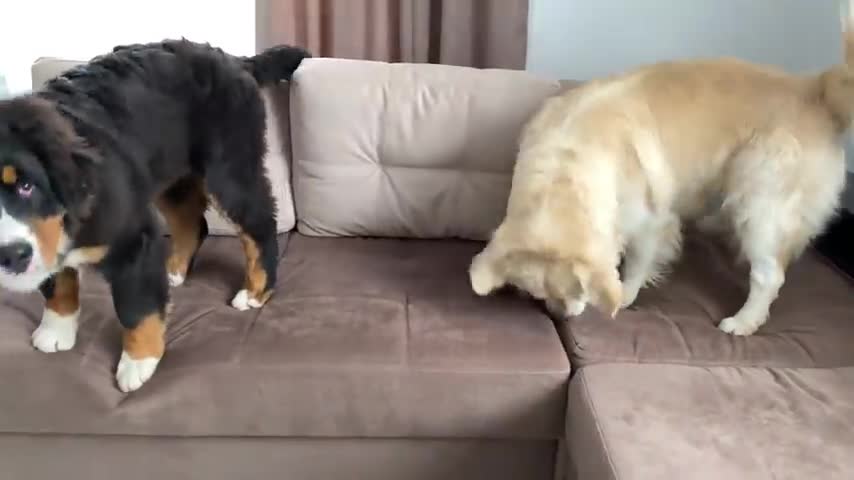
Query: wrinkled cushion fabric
[[811, 322], [363, 338], [631, 421], [406, 150], [277, 160]]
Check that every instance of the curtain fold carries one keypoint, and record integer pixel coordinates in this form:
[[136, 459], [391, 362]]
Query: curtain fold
[[477, 33]]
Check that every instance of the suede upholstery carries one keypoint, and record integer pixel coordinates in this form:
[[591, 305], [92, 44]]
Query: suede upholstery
[[24, 457], [364, 338], [375, 360], [631, 421], [811, 322]]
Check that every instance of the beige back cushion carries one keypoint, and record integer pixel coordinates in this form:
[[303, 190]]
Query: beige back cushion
[[405, 150], [276, 160]]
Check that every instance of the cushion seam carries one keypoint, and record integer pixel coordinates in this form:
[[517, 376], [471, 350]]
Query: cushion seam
[[699, 364], [709, 367], [589, 403]]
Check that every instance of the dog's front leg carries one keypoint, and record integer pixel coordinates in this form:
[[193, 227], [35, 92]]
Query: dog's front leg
[[648, 254], [565, 308], [58, 328], [140, 290]]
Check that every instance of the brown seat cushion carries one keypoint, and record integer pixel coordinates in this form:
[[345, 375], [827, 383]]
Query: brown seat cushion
[[630, 421], [811, 323], [364, 338]]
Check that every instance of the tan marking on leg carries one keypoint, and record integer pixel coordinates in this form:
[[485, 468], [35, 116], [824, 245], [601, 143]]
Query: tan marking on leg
[[255, 281], [48, 232], [66, 293], [10, 175], [184, 221], [86, 255], [147, 339]]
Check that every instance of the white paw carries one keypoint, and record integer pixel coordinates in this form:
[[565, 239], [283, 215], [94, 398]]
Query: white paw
[[131, 374], [56, 332], [575, 308], [176, 279], [630, 294], [481, 277], [738, 326], [242, 301]]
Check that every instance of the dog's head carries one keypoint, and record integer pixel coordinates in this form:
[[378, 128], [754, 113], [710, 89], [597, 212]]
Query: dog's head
[[557, 281], [44, 177]]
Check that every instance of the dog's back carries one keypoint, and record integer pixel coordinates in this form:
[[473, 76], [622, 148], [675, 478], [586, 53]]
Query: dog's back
[[684, 125]]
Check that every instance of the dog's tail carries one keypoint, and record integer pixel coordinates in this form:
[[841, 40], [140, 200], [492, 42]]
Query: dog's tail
[[837, 83], [275, 64]]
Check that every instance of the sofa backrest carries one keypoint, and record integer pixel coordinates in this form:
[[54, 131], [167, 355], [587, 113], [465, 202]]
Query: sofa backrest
[[278, 146], [406, 150], [396, 150]]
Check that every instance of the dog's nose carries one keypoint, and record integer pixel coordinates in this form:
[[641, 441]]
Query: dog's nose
[[15, 257]]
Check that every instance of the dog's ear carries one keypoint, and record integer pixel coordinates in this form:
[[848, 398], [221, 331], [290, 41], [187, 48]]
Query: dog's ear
[[603, 288], [67, 161]]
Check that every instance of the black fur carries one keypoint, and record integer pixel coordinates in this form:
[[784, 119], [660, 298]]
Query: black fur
[[273, 64], [104, 139]]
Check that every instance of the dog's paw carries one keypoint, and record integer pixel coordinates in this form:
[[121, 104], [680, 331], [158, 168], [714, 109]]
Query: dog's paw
[[482, 278], [482, 282], [244, 301], [575, 308], [565, 310], [131, 373], [56, 332], [630, 294], [738, 326], [176, 279]]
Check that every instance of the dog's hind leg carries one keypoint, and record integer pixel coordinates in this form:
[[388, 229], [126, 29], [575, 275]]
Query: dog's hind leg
[[183, 207], [253, 212], [240, 189], [236, 181], [776, 206], [765, 247]]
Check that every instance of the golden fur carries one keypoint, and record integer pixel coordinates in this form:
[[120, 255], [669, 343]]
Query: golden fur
[[612, 169]]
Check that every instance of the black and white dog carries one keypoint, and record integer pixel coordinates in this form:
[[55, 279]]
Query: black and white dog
[[85, 161]]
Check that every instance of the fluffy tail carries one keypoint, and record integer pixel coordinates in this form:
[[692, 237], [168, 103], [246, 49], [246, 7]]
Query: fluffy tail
[[275, 64], [837, 83]]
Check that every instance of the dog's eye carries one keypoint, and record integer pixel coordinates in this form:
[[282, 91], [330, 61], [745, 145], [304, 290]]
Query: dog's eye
[[24, 189]]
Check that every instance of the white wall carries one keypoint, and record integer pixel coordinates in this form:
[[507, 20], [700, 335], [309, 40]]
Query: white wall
[[81, 29]]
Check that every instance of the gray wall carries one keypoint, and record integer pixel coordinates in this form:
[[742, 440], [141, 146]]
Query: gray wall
[[583, 39], [588, 38]]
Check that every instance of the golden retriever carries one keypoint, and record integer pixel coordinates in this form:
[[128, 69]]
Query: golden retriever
[[609, 171]]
